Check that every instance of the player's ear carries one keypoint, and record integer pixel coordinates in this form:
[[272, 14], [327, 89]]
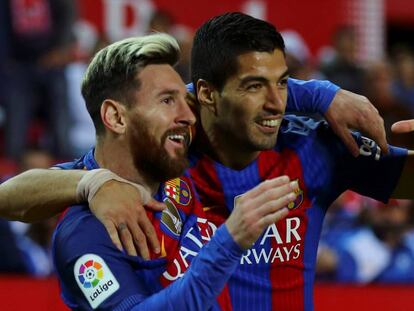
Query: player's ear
[[113, 115], [205, 95]]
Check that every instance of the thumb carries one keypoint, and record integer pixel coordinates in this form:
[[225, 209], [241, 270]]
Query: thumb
[[403, 126], [155, 205]]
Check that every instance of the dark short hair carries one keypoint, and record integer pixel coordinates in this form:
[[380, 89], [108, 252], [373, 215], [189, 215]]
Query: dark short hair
[[112, 72], [219, 41]]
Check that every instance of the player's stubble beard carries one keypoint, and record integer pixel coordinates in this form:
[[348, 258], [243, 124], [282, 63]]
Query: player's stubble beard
[[244, 133], [150, 157]]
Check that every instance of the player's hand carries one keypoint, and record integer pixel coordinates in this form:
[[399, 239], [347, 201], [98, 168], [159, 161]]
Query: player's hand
[[117, 205], [260, 207], [403, 126], [352, 111]]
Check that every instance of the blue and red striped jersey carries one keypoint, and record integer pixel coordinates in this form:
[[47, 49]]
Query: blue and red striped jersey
[[93, 273], [277, 273]]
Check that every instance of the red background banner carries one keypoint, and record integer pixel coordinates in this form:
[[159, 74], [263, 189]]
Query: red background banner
[[20, 293]]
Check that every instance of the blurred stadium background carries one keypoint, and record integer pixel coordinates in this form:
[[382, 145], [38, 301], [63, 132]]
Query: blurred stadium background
[[366, 256]]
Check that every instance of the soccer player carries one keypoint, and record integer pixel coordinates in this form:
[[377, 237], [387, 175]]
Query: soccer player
[[48, 192], [242, 97], [136, 99]]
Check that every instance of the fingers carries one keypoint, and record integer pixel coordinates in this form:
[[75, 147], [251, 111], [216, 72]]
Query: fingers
[[274, 217], [276, 195], [155, 205], [350, 111], [267, 185], [140, 241], [113, 234], [252, 214], [374, 128], [149, 234], [345, 135], [272, 206], [403, 126], [379, 137], [138, 234], [130, 236], [126, 222], [126, 239]]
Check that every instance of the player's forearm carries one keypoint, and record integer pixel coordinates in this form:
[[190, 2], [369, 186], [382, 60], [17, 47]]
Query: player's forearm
[[38, 194], [203, 281]]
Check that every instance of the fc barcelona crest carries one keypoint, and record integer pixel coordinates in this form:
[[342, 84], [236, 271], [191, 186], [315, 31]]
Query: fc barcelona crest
[[178, 190]]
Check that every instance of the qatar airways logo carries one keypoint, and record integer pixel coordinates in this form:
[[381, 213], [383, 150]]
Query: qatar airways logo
[[281, 244], [192, 244], [276, 245]]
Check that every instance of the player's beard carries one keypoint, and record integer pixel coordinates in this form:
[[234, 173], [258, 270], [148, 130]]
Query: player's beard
[[242, 130], [150, 156]]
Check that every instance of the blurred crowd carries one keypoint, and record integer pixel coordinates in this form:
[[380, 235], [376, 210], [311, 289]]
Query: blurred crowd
[[44, 51]]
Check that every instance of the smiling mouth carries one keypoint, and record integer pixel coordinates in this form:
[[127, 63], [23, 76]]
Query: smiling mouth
[[182, 138], [177, 138], [274, 123]]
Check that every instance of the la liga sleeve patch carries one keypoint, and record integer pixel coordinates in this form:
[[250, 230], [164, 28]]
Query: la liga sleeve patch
[[95, 279]]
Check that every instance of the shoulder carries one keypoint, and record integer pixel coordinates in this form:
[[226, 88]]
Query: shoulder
[[302, 125], [305, 134], [79, 231], [87, 161], [87, 264]]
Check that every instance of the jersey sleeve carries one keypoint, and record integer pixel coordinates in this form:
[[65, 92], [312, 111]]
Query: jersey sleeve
[[203, 281], [372, 173], [94, 274], [330, 167], [313, 96], [92, 271]]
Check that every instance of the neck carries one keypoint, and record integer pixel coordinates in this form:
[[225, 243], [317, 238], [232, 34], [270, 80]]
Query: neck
[[220, 148], [111, 153]]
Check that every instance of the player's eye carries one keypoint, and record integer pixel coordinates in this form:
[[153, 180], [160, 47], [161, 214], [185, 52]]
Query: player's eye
[[283, 83], [254, 86], [168, 100]]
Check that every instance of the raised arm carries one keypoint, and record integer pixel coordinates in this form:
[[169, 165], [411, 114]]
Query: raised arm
[[377, 175], [41, 193], [342, 109], [38, 194]]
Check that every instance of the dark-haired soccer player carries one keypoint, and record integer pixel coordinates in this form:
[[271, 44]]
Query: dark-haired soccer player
[[239, 69]]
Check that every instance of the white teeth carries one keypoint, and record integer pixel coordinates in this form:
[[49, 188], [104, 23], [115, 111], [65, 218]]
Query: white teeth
[[176, 137], [270, 123]]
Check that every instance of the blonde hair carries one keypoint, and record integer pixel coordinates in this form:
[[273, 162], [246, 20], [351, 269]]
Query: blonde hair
[[113, 70]]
